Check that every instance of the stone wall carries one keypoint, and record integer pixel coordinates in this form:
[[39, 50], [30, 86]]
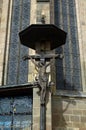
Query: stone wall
[[68, 113], [4, 35], [81, 24], [0, 10]]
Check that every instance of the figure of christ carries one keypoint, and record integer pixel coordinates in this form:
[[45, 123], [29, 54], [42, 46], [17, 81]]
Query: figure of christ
[[41, 67]]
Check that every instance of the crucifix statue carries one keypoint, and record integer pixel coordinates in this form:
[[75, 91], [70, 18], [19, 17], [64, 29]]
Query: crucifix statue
[[42, 38], [43, 76]]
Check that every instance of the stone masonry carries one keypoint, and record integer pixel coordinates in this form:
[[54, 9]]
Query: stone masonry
[[68, 113], [81, 23]]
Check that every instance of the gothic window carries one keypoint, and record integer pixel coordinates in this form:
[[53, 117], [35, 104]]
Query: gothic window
[[15, 112], [68, 69], [17, 68]]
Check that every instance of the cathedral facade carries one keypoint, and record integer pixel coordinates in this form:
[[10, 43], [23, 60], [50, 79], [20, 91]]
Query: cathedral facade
[[66, 108]]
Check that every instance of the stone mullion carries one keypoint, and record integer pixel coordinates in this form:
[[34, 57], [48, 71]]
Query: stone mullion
[[7, 43], [52, 68], [80, 16], [4, 38], [31, 67]]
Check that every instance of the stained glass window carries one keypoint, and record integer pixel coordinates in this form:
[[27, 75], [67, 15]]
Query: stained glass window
[[68, 73], [17, 68], [16, 113]]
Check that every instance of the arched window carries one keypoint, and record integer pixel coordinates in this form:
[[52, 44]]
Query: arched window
[[17, 71], [68, 71]]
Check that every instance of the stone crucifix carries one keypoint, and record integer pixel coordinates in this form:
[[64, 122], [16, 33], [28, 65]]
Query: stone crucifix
[[43, 76]]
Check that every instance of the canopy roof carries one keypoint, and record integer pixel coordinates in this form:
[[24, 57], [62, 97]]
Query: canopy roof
[[37, 33]]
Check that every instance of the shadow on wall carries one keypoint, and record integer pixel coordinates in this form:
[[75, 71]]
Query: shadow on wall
[[61, 107], [68, 110]]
